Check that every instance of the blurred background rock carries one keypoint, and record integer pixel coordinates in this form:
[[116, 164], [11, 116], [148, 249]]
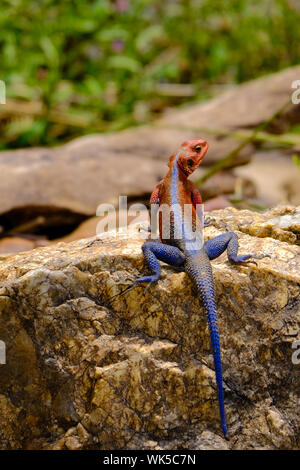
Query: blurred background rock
[[100, 67]]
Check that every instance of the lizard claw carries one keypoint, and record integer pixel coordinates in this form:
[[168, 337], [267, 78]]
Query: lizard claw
[[261, 256], [147, 287], [247, 258], [148, 279], [131, 286], [251, 261]]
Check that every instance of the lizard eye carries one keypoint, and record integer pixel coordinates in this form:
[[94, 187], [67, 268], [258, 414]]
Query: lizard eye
[[198, 149], [190, 163]]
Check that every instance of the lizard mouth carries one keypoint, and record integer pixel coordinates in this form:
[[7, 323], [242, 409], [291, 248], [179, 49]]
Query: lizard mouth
[[191, 163], [199, 159]]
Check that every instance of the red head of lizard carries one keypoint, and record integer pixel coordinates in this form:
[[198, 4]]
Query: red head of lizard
[[190, 155]]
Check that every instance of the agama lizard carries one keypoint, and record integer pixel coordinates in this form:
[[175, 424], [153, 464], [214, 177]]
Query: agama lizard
[[194, 257]]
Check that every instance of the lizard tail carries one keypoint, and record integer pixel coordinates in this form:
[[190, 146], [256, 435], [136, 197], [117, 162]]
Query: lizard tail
[[201, 274]]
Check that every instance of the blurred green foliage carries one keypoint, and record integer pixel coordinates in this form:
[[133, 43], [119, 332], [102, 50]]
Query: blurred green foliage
[[79, 66]]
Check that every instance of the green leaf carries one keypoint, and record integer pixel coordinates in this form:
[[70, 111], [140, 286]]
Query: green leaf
[[109, 34], [296, 160], [148, 36], [50, 51], [124, 62]]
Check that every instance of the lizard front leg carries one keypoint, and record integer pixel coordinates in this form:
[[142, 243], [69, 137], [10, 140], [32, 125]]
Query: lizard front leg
[[217, 245], [154, 251]]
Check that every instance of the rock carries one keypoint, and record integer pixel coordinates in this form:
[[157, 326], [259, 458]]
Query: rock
[[210, 441], [10, 245], [66, 184], [15, 245], [62, 186], [246, 105], [89, 370], [275, 177], [91, 227], [281, 223], [291, 189], [226, 182], [219, 202], [159, 140], [72, 443]]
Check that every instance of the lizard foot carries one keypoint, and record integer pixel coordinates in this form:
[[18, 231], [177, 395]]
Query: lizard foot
[[208, 220], [148, 279], [246, 258], [261, 256]]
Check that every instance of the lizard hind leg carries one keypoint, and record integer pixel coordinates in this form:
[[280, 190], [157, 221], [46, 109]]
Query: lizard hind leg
[[154, 251], [217, 245]]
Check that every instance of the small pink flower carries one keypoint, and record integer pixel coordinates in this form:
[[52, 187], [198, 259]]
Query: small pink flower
[[118, 45], [121, 5], [41, 73]]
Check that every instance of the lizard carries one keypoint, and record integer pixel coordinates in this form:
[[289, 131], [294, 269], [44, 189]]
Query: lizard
[[183, 251]]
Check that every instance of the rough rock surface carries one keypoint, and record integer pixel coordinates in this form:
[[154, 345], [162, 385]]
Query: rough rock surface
[[65, 182], [88, 370]]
